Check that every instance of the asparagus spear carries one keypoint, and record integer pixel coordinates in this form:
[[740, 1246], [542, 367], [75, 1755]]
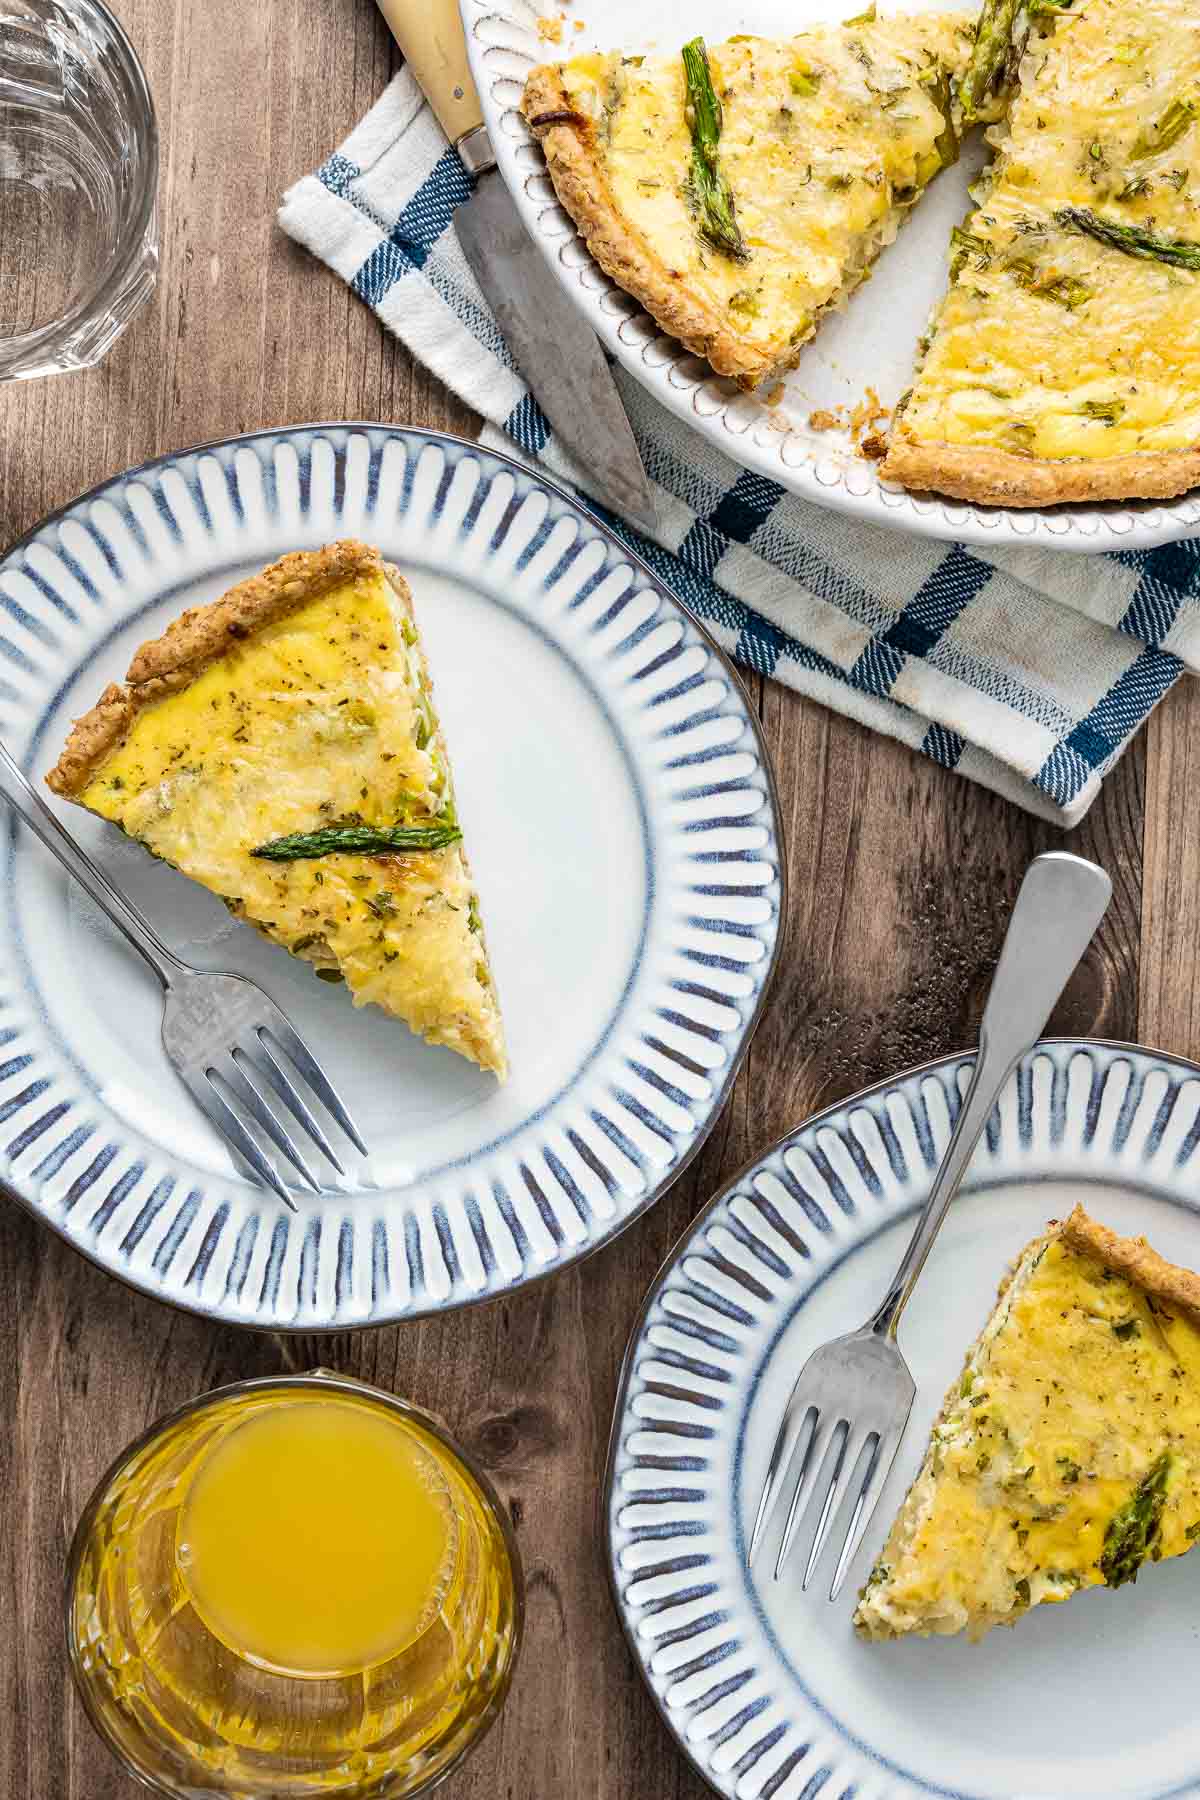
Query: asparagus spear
[[989, 55], [1000, 36], [358, 840], [938, 86], [1133, 240], [708, 188], [1174, 122], [1064, 290], [964, 244], [1107, 410]]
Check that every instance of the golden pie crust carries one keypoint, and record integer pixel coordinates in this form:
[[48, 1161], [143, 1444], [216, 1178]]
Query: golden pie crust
[[1133, 1258], [167, 664], [1004, 478], [569, 143]]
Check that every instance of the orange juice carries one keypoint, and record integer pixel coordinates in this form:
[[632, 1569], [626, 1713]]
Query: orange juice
[[293, 1587], [317, 1538]]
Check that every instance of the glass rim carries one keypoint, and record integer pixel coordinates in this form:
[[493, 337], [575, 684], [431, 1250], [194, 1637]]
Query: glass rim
[[131, 242], [323, 1380]]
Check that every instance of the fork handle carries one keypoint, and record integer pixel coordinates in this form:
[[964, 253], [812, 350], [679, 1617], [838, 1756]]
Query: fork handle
[[28, 804], [1061, 902]]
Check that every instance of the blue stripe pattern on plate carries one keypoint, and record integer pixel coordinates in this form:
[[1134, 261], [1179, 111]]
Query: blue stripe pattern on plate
[[550, 1186]]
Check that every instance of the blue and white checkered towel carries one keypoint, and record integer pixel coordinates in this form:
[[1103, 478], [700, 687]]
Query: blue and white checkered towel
[[1027, 670]]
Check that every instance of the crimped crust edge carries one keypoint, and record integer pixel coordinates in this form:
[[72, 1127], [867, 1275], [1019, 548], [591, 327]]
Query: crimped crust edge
[[167, 664], [1005, 478], [568, 140], [1135, 1259]]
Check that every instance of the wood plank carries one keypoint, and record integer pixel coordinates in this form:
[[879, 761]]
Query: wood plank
[[1170, 978], [903, 878]]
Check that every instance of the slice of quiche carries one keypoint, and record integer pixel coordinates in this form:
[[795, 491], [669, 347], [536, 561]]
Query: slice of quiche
[[1064, 363], [741, 192], [280, 746], [1066, 1454]]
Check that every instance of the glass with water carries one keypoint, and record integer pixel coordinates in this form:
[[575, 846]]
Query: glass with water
[[78, 172]]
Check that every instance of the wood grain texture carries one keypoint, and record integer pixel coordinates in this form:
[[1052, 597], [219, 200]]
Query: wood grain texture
[[1169, 975], [901, 880]]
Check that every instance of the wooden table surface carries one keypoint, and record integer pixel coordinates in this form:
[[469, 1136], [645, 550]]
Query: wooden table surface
[[901, 879]]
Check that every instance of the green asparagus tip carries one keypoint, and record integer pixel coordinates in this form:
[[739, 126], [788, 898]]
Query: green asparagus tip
[[1131, 240], [708, 189], [358, 840]]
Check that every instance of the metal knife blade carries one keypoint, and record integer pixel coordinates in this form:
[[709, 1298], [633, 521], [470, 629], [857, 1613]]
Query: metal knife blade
[[554, 347]]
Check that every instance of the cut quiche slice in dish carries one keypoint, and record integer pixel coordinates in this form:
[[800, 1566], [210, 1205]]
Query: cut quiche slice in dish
[[1068, 1452], [741, 191], [1064, 363], [280, 746]]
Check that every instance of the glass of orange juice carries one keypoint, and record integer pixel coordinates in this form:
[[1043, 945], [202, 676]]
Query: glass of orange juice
[[295, 1586]]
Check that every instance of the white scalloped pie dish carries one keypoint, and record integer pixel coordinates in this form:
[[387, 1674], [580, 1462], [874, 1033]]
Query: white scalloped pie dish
[[872, 342]]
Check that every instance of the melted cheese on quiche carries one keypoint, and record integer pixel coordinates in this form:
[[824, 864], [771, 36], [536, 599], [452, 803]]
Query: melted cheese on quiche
[[1081, 1400], [1052, 343], [323, 716], [827, 138]]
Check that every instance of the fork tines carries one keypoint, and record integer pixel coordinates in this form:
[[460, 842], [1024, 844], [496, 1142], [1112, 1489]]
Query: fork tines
[[840, 1433], [243, 1063]]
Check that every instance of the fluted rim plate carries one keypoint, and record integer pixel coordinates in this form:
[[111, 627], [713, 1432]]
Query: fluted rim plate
[[619, 808], [766, 1688], [869, 348]]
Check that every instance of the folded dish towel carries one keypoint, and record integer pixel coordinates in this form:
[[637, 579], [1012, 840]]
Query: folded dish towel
[[1026, 670]]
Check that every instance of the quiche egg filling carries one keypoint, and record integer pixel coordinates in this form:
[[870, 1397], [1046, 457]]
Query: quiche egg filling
[[1066, 1456], [320, 720], [823, 140], [1071, 328]]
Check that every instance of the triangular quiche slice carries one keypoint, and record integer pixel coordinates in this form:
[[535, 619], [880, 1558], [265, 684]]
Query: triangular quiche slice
[[1064, 363], [740, 191], [280, 746], [1068, 1452]]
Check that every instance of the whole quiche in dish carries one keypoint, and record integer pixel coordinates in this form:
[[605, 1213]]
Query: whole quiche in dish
[[280, 746], [739, 193]]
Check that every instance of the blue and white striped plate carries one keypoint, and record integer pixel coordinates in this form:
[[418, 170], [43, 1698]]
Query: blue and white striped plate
[[766, 1688], [619, 810]]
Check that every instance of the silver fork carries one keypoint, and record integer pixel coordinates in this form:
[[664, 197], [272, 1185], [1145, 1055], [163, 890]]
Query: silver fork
[[227, 1040], [853, 1396]]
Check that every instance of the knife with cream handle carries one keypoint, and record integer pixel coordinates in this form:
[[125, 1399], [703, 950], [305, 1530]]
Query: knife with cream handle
[[552, 345]]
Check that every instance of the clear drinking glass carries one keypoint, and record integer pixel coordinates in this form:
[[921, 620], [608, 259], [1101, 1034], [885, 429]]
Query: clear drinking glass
[[192, 1706], [78, 172]]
